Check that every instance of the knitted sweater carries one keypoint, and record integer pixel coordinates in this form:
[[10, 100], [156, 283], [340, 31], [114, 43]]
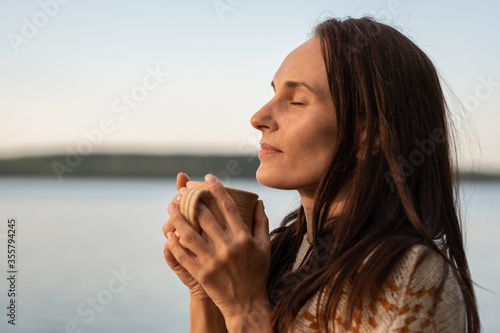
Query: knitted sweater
[[405, 304]]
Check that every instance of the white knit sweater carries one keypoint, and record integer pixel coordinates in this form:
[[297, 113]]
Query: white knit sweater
[[405, 304]]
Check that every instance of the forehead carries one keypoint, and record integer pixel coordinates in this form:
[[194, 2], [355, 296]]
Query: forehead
[[304, 64]]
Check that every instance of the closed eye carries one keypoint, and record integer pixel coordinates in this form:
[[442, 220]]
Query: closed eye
[[297, 103]]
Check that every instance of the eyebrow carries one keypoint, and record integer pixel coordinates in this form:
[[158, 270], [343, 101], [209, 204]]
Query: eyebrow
[[295, 84]]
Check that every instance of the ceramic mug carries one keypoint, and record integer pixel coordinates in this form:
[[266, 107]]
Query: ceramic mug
[[197, 193]]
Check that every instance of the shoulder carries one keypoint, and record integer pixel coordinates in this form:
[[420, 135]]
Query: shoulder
[[425, 293], [421, 294], [419, 266]]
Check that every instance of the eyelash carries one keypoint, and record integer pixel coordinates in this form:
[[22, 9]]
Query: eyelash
[[297, 103]]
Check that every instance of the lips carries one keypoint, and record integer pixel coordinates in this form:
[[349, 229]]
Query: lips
[[267, 149]]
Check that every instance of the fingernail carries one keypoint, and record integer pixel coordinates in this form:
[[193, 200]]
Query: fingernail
[[169, 235], [178, 197], [209, 179]]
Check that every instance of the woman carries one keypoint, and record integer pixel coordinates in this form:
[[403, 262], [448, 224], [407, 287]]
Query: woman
[[359, 127]]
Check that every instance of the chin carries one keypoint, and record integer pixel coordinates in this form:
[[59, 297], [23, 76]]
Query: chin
[[287, 179], [271, 179], [266, 178]]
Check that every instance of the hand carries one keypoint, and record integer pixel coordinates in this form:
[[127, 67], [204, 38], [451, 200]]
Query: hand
[[195, 289], [232, 265]]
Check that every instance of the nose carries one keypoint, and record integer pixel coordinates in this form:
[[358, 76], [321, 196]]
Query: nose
[[264, 118]]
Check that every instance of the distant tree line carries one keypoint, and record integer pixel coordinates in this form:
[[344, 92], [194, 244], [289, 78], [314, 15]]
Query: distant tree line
[[128, 165]]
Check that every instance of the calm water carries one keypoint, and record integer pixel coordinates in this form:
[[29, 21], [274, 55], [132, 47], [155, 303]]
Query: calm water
[[89, 253]]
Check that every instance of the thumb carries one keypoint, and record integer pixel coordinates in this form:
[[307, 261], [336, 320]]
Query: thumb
[[182, 179], [260, 224]]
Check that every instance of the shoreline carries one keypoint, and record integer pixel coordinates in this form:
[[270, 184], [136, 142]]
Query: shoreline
[[150, 166]]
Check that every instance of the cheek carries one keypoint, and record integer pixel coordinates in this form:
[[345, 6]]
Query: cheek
[[304, 163], [316, 155], [317, 139], [317, 148]]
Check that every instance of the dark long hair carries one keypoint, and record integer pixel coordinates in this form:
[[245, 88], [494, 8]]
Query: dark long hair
[[393, 168]]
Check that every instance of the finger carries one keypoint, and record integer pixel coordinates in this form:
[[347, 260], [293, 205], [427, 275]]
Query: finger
[[261, 225], [226, 204], [191, 239], [177, 199], [176, 202], [182, 257], [172, 262], [182, 179], [209, 224], [169, 225], [169, 258]]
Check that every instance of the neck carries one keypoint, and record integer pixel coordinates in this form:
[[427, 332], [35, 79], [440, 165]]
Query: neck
[[308, 199]]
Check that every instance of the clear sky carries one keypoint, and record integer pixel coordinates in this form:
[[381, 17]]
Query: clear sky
[[186, 76]]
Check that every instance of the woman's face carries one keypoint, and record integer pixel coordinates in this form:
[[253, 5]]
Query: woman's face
[[298, 123]]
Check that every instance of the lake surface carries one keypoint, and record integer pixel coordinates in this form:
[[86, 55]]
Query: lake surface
[[89, 253]]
